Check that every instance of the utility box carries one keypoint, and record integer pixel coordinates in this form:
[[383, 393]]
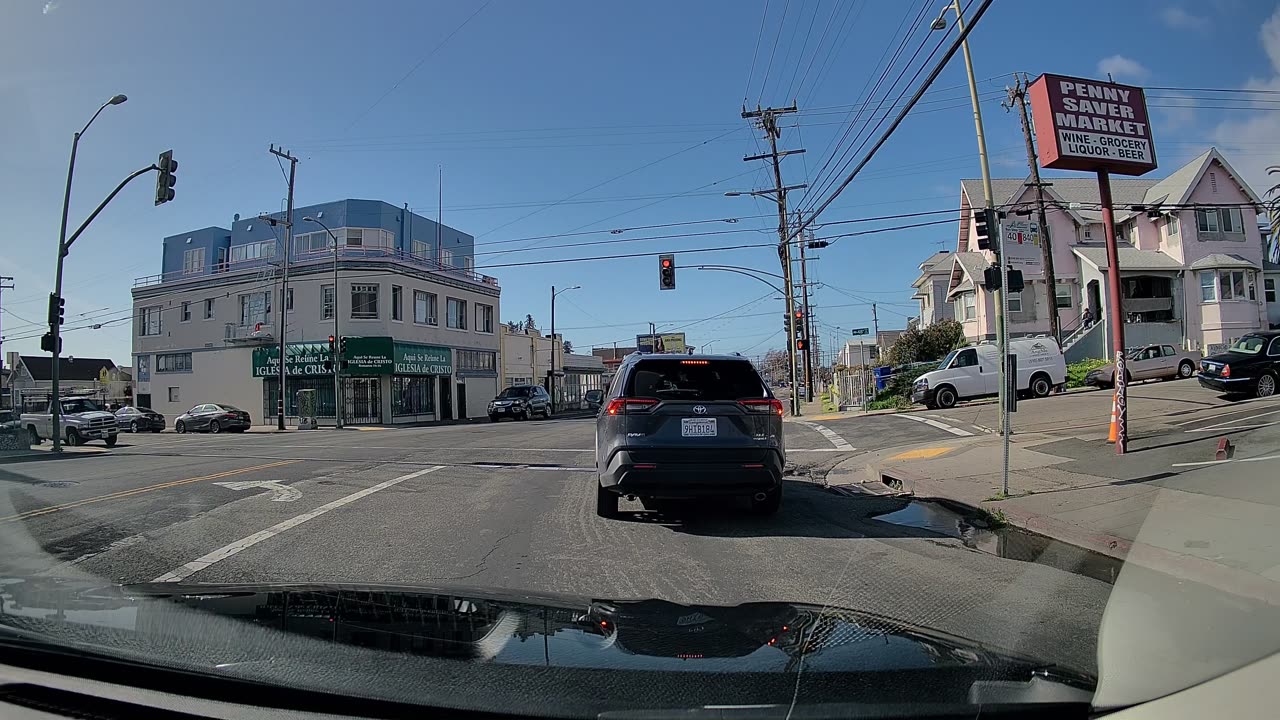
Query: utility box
[[306, 409]]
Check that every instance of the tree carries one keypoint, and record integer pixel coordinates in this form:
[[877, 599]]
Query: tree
[[775, 365], [568, 346], [514, 326], [529, 324], [927, 345]]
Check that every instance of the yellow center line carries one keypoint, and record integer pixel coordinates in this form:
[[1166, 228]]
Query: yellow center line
[[137, 491]]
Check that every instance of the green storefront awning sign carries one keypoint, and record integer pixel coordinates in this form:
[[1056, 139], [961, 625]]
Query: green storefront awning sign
[[302, 359], [413, 359], [367, 356]]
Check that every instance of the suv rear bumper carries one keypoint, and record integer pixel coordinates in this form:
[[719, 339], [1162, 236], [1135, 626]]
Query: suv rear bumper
[[679, 479]]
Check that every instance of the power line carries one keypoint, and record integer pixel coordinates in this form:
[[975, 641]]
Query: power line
[[781, 24], [807, 34], [755, 53]]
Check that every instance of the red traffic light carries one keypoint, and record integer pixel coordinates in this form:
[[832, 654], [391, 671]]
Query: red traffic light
[[331, 339], [666, 262]]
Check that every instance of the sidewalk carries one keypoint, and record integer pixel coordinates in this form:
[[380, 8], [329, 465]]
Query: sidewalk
[[1220, 541]]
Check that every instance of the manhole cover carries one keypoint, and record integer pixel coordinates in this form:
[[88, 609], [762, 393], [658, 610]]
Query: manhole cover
[[59, 483]]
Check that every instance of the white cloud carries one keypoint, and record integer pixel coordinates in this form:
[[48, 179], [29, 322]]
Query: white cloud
[[1176, 17], [1248, 138], [1123, 69], [50, 7]]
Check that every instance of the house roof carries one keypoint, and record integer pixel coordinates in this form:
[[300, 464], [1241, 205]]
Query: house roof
[[1130, 258], [1174, 189], [931, 266], [1223, 260], [81, 368], [966, 272]]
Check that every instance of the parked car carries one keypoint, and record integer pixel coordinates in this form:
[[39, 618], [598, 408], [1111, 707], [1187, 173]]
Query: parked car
[[680, 427], [520, 402], [214, 417], [9, 422], [138, 419], [1250, 366], [1151, 362], [594, 399], [80, 420], [974, 372]]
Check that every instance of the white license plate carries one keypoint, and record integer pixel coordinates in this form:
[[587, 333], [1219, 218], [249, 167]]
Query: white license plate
[[698, 427]]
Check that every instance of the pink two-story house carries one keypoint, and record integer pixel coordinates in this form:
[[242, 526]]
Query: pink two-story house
[[1190, 255]]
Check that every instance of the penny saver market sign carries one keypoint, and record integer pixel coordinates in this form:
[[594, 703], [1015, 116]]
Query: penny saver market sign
[[1091, 125]]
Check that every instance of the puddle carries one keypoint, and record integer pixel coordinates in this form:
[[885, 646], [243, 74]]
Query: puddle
[[1006, 542]]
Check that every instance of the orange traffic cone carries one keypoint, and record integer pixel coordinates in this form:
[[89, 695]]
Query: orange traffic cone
[[1114, 433]]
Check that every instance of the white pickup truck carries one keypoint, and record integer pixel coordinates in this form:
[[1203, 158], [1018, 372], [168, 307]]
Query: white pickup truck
[[82, 420]]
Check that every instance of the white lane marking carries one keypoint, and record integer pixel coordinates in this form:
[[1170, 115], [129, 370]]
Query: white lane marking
[[1223, 462], [936, 424], [226, 551], [1210, 428], [829, 434], [279, 492]]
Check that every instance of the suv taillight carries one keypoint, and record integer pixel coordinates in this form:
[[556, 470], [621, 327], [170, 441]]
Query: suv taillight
[[763, 406], [624, 405]]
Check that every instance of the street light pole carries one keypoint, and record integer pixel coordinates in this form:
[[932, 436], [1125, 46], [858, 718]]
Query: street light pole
[[551, 379], [55, 329], [337, 337]]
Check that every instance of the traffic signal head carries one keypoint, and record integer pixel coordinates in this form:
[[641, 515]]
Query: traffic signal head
[[1016, 283], [331, 344], [984, 222], [342, 345], [667, 272], [166, 178], [801, 344], [57, 310], [47, 344]]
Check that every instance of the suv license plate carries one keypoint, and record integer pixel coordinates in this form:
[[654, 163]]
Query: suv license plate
[[698, 427]]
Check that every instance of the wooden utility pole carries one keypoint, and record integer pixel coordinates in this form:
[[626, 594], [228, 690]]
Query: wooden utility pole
[[768, 121], [1018, 96], [284, 284]]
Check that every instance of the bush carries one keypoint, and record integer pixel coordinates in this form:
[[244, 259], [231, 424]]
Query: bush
[[1077, 370], [890, 403]]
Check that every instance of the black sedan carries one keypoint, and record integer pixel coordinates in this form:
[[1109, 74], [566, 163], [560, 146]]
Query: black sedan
[[139, 419], [1250, 366], [214, 417]]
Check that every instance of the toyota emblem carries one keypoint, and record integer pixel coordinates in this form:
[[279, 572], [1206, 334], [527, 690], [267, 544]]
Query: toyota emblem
[[699, 409]]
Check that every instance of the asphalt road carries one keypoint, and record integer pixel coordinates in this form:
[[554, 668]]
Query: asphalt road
[[510, 506]]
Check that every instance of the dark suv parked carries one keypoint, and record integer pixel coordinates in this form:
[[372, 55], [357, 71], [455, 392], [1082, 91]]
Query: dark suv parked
[[520, 402], [689, 426]]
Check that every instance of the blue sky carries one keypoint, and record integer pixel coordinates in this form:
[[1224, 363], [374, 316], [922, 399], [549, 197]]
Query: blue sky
[[552, 118]]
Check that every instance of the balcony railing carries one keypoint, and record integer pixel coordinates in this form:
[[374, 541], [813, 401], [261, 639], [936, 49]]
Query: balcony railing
[[315, 257]]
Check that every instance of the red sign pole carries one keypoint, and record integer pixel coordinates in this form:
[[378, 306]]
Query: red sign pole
[[1116, 316]]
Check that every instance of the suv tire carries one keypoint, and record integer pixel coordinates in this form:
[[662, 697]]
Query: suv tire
[[606, 502]]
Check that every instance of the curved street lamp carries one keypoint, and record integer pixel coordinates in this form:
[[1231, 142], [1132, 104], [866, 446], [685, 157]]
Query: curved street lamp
[[337, 337], [551, 379]]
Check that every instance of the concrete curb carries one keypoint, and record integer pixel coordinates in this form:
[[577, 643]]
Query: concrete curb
[[48, 455], [1178, 565]]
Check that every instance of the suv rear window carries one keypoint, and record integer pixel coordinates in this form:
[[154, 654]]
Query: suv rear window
[[694, 380]]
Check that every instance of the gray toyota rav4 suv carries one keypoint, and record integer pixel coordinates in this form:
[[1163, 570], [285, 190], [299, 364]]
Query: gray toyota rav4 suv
[[689, 426]]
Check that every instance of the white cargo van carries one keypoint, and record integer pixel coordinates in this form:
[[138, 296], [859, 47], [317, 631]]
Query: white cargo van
[[974, 372]]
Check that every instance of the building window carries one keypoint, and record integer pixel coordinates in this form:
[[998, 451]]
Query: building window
[[1015, 302], [287, 297], [456, 314], [1207, 281], [482, 360], [484, 318], [173, 394], [364, 301], [424, 308], [208, 309], [1171, 225], [1230, 285], [421, 249], [255, 308], [311, 242], [1062, 295], [253, 251], [397, 309], [173, 362], [149, 321], [446, 259], [1088, 234], [186, 311], [193, 261], [413, 395], [966, 306], [368, 237], [1269, 289], [326, 302]]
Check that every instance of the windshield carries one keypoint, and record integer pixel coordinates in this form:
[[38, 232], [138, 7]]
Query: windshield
[[1248, 345], [79, 405], [695, 380], [773, 354]]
